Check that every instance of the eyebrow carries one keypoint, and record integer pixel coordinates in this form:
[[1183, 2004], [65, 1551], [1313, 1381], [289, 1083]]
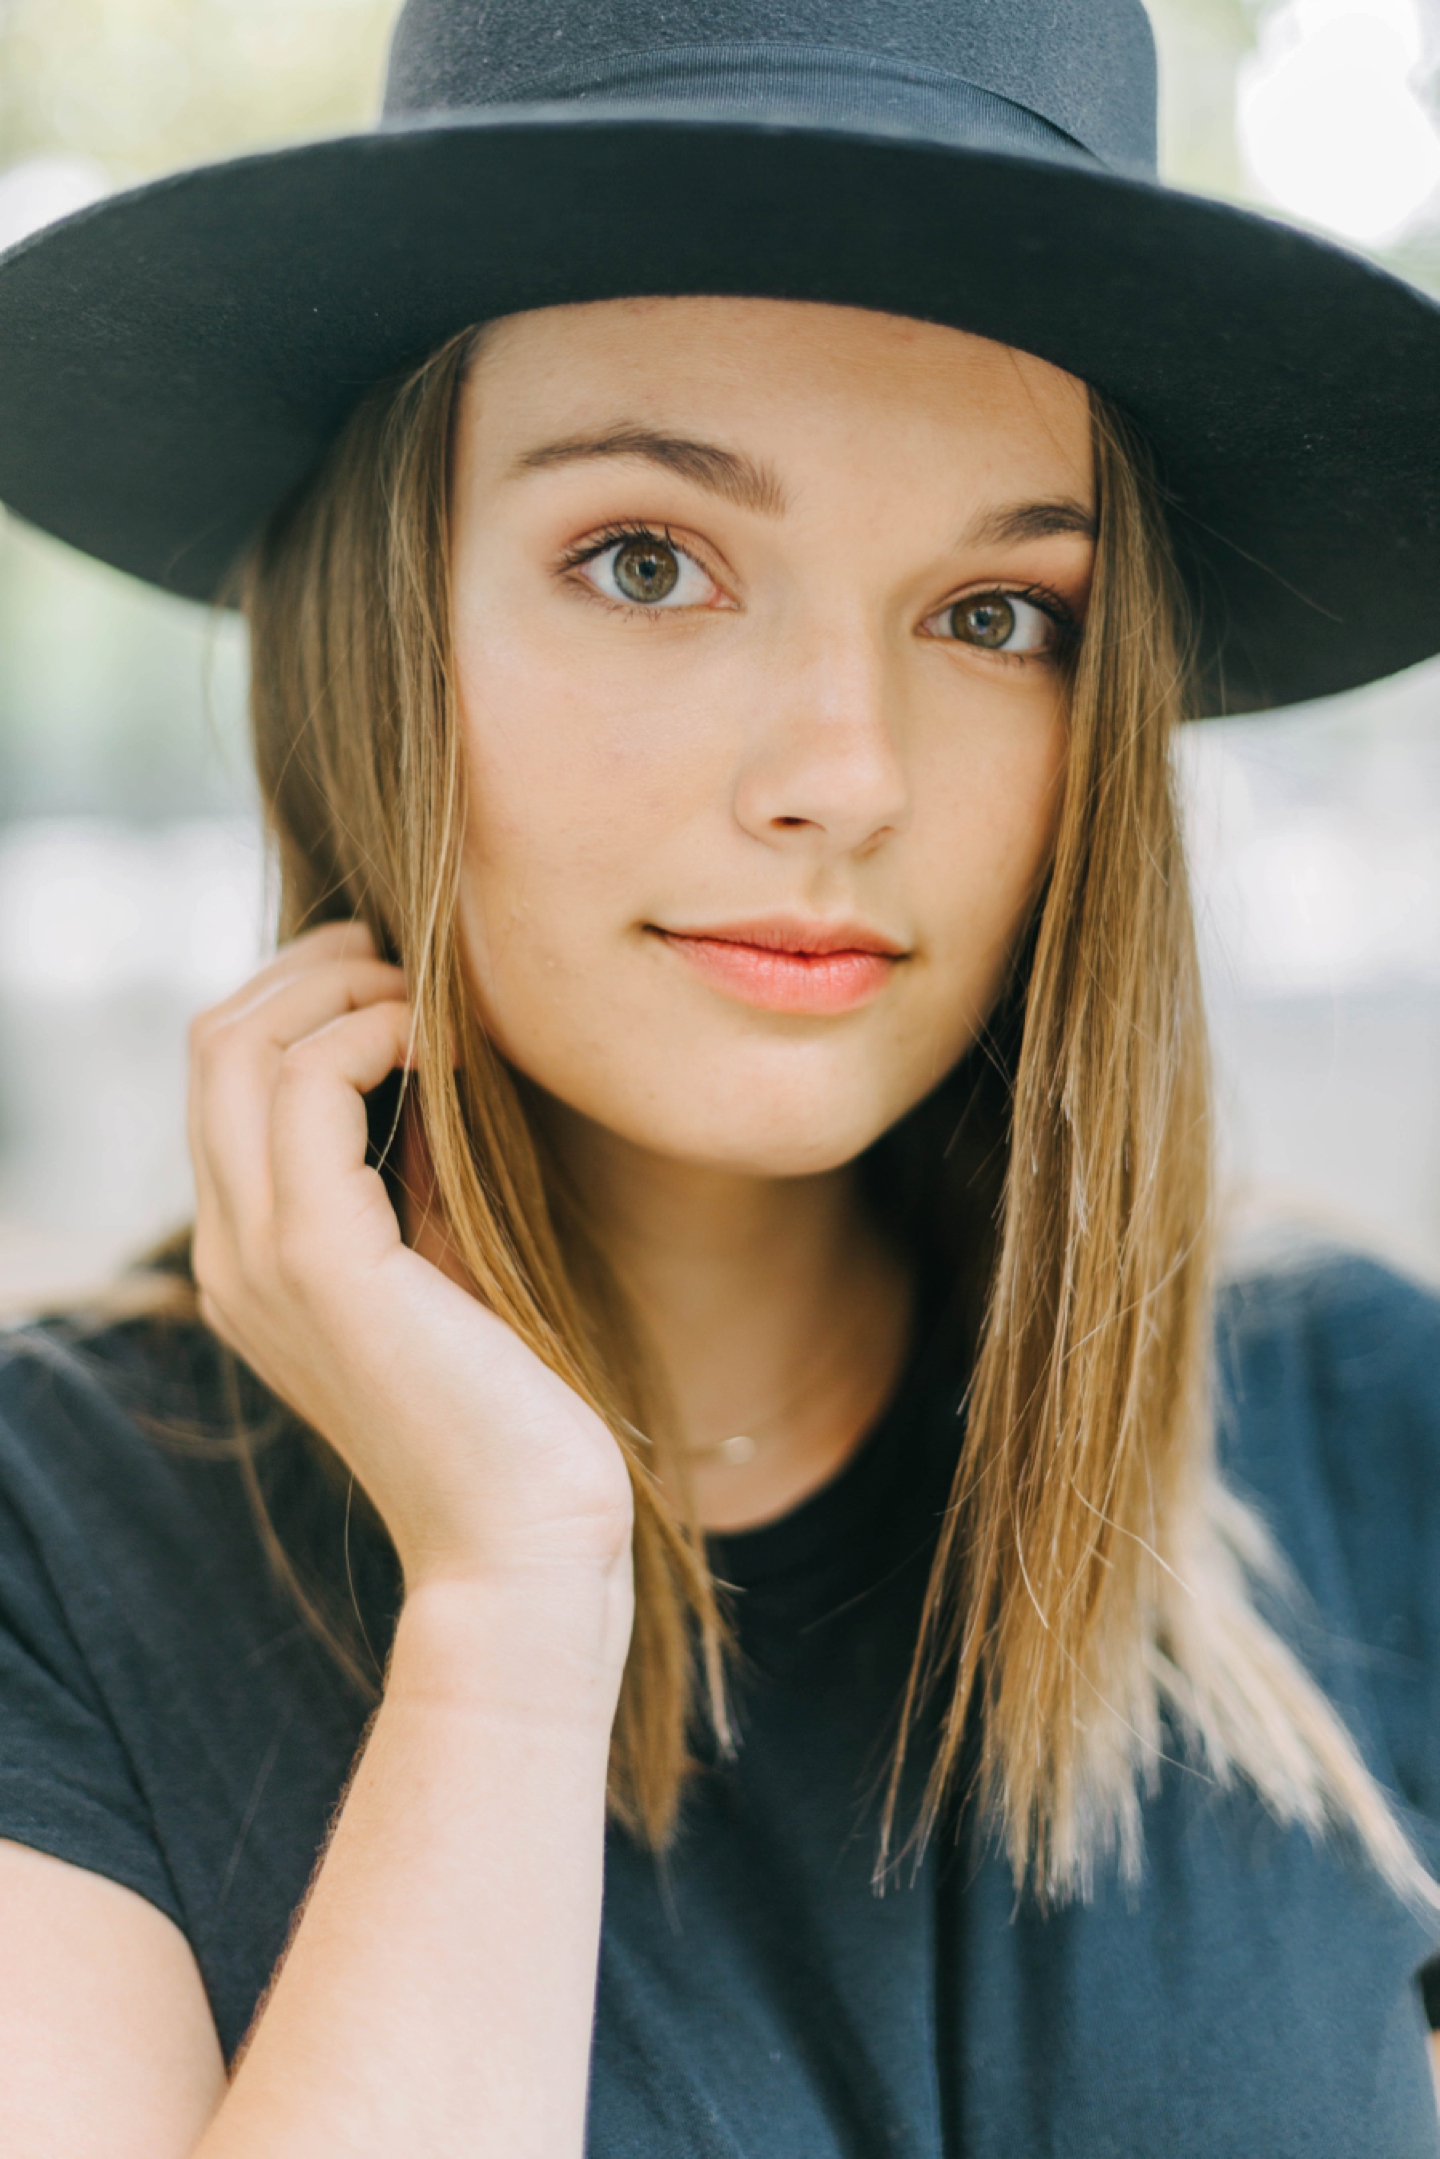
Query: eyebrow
[[757, 487], [705, 464], [1015, 521]]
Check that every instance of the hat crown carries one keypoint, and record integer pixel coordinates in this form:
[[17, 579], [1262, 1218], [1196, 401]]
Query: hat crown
[[1086, 67]]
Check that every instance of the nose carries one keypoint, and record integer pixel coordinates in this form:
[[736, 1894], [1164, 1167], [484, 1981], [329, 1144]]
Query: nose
[[823, 766]]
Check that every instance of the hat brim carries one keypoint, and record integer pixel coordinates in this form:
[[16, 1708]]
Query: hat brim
[[176, 359]]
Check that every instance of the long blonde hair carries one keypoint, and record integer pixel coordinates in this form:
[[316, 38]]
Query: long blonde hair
[[1093, 1582]]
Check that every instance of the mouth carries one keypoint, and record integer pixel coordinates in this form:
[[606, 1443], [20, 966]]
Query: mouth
[[787, 964]]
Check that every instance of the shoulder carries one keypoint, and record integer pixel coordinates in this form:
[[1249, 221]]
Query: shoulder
[[103, 1426], [163, 1520], [1335, 1300], [66, 1376], [1329, 1419], [1332, 1358], [142, 1466]]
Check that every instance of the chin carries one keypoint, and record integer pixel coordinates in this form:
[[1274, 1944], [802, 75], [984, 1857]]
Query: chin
[[765, 1155], [748, 1132], [779, 1108]]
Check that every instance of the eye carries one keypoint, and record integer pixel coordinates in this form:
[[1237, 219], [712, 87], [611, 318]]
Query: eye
[[1007, 622], [643, 569]]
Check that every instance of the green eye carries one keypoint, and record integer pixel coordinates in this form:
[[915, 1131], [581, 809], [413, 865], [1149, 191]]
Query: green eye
[[646, 570], [1020, 627], [988, 620]]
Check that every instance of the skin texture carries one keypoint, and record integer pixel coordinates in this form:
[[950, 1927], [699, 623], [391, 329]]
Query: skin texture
[[804, 737], [792, 741]]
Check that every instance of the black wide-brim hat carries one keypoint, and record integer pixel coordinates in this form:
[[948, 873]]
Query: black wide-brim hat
[[174, 361]]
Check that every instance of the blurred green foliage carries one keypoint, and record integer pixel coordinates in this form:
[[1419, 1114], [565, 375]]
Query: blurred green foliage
[[1201, 43], [143, 85], [115, 701]]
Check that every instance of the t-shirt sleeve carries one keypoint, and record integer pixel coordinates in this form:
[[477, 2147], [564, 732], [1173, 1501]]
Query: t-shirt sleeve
[[66, 1785]]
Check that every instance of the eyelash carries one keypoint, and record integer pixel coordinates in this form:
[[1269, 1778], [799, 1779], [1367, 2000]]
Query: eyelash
[[575, 558], [1049, 602], [1066, 623]]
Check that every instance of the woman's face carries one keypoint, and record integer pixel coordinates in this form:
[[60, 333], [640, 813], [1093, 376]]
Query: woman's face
[[760, 617]]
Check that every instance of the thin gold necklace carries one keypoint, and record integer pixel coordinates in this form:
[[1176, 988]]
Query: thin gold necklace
[[731, 1453], [742, 1447]]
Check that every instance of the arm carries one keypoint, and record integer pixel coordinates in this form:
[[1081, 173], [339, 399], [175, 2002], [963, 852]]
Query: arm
[[428, 2004], [438, 1990], [108, 2046]]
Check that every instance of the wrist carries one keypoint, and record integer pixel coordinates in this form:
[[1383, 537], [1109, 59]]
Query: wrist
[[546, 1650]]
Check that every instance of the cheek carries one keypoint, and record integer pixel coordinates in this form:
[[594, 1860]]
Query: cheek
[[582, 785], [984, 837], [565, 776], [600, 793]]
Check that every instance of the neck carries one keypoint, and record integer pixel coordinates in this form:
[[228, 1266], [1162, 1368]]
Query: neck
[[774, 1307]]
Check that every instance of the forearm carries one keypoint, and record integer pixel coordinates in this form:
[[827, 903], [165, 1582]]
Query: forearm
[[438, 1995]]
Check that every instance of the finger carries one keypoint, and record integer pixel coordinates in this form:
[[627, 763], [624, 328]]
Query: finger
[[315, 948], [318, 1129], [208, 1237], [235, 1062], [287, 1007], [352, 939], [426, 1228]]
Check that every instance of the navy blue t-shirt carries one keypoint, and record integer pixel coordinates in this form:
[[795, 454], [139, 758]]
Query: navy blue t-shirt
[[170, 1719]]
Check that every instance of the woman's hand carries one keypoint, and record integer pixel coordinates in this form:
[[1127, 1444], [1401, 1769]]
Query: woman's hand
[[485, 1467], [439, 1991]]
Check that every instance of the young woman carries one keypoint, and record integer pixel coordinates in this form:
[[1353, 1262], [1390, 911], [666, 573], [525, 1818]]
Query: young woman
[[665, 1574]]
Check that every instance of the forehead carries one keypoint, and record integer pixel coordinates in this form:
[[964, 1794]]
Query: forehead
[[787, 375]]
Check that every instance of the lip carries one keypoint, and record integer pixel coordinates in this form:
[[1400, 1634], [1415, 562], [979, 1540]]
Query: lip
[[788, 964]]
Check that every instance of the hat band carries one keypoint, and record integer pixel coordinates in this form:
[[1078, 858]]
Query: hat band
[[809, 83]]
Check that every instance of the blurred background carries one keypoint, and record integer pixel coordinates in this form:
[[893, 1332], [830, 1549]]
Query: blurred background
[[132, 881]]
